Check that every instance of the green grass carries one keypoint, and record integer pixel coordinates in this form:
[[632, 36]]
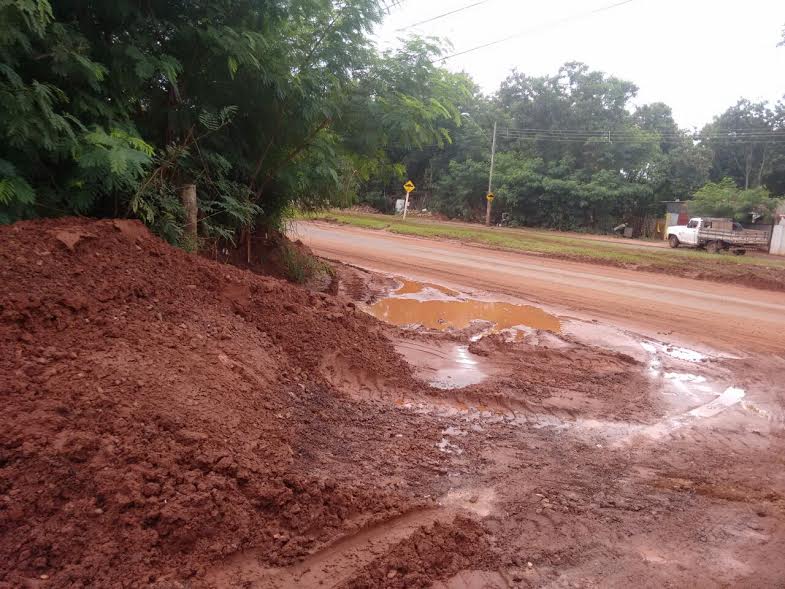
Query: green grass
[[552, 244], [299, 266]]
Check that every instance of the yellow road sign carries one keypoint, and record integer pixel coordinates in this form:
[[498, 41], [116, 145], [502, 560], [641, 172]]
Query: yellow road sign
[[490, 196], [409, 186]]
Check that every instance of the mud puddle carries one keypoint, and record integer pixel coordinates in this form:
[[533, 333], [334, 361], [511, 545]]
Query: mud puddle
[[408, 287], [449, 365], [444, 365], [436, 307], [690, 385]]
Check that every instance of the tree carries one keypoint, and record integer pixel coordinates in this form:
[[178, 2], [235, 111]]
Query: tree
[[107, 108], [64, 149], [726, 199], [399, 113], [559, 165], [570, 113], [743, 141], [460, 191]]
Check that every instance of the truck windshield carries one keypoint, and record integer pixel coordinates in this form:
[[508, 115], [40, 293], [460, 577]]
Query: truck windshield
[[692, 224]]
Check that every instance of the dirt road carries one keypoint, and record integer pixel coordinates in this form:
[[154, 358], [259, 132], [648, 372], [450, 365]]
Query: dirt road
[[727, 317]]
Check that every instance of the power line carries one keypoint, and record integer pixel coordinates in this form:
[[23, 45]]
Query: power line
[[602, 141], [636, 134], [438, 16], [532, 29], [731, 132]]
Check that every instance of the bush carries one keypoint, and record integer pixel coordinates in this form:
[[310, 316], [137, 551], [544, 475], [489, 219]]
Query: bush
[[300, 266], [725, 199]]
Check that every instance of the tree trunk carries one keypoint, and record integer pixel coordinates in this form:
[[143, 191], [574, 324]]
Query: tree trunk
[[762, 164], [188, 198], [747, 170]]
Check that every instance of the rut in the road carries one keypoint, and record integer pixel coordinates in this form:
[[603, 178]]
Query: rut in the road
[[332, 566]]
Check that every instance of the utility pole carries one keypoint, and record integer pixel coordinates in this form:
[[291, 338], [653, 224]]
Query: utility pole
[[489, 198]]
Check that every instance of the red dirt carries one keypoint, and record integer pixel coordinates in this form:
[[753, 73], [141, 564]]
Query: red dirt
[[162, 410], [732, 318], [438, 551], [167, 417]]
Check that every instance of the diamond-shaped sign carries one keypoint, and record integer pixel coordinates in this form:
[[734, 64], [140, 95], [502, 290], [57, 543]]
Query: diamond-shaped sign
[[490, 196], [409, 186]]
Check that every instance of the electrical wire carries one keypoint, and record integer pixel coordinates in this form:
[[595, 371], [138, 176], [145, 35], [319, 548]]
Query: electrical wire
[[534, 29], [655, 136], [438, 16], [500, 135], [634, 137]]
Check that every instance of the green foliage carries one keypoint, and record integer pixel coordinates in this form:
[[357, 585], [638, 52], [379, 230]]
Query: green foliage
[[541, 194], [560, 167], [402, 105], [726, 199], [460, 192], [15, 192], [57, 156], [748, 142], [109, 108], [299, 266]]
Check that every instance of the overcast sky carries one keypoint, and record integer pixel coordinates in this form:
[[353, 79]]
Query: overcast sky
[[698, 56]]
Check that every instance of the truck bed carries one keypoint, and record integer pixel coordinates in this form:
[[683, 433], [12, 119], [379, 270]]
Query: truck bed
[[748, 237]]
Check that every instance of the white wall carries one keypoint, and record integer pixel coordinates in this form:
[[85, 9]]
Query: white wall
[[778, 240]]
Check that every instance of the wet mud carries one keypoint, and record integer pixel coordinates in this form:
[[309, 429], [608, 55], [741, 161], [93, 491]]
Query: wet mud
[[173, 422]]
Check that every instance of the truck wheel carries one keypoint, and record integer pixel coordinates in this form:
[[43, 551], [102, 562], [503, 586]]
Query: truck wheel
[[673, 241], [713, 247], [739, 252]]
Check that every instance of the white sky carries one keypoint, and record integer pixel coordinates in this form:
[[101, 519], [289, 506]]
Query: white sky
[[698, 56]]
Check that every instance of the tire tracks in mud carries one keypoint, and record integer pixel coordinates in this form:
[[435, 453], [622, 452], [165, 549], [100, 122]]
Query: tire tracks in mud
[[628, 519], [334, 564]]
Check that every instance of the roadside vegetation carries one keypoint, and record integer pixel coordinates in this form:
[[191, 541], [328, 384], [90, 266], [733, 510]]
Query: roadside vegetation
[[763, 272], [108, 111], [300, 266]]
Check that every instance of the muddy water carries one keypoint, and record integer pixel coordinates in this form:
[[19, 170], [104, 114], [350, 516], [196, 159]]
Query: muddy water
[[458, 314], [444, 365], [449, 365], [414, 287], [437, 307]]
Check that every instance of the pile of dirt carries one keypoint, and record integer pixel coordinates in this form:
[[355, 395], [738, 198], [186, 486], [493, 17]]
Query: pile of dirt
[[161, 411]]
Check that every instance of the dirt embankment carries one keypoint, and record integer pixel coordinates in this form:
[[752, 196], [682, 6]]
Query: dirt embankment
[[161, 411], [169, 421]]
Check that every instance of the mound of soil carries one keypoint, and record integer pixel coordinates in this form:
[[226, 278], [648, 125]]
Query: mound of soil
[[161, 411]]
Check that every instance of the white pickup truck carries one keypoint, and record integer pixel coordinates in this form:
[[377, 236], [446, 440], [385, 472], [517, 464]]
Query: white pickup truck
[[717, 235]]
